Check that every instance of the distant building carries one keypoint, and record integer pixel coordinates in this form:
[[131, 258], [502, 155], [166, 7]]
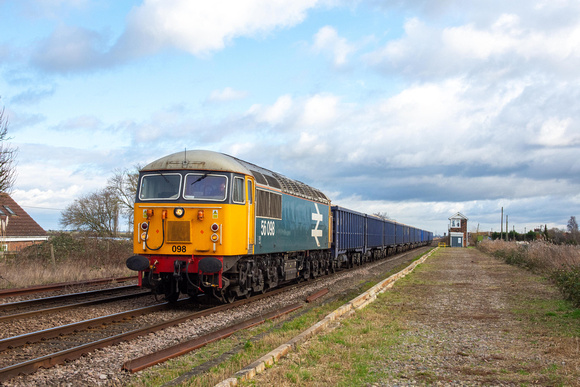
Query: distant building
[[458, 230], [17, 229]]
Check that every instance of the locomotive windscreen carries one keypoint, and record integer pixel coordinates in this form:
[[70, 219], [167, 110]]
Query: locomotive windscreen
[[160, 186]]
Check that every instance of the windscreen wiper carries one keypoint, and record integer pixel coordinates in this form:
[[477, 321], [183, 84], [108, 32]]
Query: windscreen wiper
[[200, 178]]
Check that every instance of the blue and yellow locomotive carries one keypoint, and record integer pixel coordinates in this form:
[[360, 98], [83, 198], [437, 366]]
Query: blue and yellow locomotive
[[206, 222]]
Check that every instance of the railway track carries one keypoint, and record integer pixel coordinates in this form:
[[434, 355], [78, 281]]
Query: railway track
[[37, 305], [4, 293], [19, 314], [25, 353], [49, 347]]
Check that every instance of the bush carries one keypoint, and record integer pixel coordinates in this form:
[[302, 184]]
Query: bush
[[79, 247], [568, 281]]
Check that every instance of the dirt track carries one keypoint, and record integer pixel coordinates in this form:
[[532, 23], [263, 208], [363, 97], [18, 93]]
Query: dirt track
[[462, 318]]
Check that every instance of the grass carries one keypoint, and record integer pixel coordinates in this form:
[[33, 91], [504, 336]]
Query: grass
[[66, 257], [557, 316]]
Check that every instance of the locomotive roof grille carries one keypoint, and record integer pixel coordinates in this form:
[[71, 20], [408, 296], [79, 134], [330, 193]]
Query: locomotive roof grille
[[214, 161], [259, 177], [273, 182]]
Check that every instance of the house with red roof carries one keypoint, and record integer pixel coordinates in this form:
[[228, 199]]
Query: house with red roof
[[17, 229]]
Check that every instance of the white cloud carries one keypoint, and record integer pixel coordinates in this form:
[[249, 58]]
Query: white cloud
[[199, 28], [320, 110], [203, 27], [556, 132], [327, 40], [509, 44], [275, 114]]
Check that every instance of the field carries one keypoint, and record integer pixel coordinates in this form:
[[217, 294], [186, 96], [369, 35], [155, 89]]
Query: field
[[66, 257]]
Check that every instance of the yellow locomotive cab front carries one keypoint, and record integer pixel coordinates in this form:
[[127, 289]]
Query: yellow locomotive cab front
[[190, 226]]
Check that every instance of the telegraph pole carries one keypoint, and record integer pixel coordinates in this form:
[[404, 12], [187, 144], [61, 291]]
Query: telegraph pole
[[501, 232]]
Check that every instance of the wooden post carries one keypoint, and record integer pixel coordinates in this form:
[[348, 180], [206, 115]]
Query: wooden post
[[52, 255]]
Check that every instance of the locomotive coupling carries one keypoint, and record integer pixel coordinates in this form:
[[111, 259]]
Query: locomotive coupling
[[138, 263]]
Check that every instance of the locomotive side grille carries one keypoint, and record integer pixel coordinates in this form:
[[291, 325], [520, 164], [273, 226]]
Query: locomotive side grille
[[178, 231], [268, 204]]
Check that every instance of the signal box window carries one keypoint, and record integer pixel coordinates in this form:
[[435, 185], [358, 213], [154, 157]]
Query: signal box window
[[160, 186], [203, 186]]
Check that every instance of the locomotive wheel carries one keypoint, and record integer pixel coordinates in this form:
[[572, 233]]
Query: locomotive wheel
[[307, 271]]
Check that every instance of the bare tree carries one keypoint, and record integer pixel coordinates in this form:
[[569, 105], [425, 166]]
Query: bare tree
[[124, 185], [97, 212], [7, 157], [382, 215], [572, 225], [573, 229]]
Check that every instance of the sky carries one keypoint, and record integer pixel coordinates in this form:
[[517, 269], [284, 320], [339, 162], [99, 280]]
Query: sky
[[418, 109]]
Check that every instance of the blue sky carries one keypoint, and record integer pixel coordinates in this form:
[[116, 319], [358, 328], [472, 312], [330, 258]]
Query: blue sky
[[417, 109]]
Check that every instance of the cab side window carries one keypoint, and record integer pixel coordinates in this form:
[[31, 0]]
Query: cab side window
[[238, 195]]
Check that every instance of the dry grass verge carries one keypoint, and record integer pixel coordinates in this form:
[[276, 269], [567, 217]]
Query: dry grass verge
[[560, 263], [66, 257]]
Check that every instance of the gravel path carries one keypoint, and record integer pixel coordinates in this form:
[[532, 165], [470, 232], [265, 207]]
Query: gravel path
[[466, 319], [463, 329]]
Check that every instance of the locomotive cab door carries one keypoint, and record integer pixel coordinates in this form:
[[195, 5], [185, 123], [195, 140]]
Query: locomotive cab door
[[250, 203]]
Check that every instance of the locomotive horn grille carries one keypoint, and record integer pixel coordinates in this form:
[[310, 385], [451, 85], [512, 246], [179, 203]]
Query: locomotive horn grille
[[178, 232]]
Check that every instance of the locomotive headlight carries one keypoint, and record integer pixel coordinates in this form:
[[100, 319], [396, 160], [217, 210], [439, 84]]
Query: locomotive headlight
[[144, 236], [215, 237], [214, 227], [178, 212], [144, 226]]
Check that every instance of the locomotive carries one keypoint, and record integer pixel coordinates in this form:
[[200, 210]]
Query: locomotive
[[209, 223]]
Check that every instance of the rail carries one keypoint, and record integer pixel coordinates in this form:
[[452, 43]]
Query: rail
[[58, 286]]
